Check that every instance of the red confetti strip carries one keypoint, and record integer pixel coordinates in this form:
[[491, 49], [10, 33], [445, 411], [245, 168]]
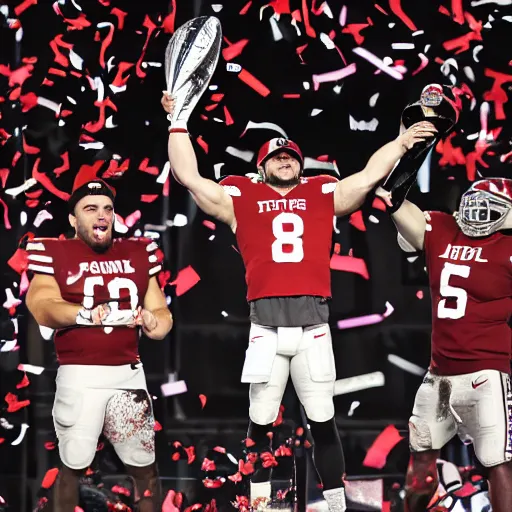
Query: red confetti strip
[[253, 82], [202, 398], [202, 143], [120, 17], [217, 97], [46, 183], [121, 490], [151, 27], [354, 29], [150, 170], [291, 96], [58, 72], [443, 10], [220, 449], [187, 278], [245, 8], [49, 478], [497, 94], [65, 165], [381, 447], [119, 80], [175, 456], [19, 261], [169, 21], [191, 454], [23, 6], [148, 198], [209, 108], [60, 58], [268, 460], [310, 31], [234, 49], [49, 445], [24, 382], [105, 44], [379, 204], [462, 43], [95, 126], [7, 224], [227, 115], [458, 12], [377, 6], [396, 8], [356, 219], [349, 264], [249, 442], [28, 101]]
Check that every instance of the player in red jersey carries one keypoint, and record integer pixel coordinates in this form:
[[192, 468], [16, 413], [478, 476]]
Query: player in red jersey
[[467, 388], [96, 291], [283, 224]]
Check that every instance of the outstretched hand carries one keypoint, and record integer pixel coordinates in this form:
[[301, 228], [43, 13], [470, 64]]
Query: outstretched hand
[[418, 132]]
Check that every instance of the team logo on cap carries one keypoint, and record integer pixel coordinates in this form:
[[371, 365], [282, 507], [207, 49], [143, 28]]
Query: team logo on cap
[[432, 95], [94, 185], [281, 142]]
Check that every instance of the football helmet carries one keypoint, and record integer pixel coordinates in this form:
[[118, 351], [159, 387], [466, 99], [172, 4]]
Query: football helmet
[[484, 206]]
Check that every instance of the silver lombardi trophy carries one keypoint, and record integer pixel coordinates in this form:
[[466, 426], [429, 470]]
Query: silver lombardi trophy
[[190, 60]]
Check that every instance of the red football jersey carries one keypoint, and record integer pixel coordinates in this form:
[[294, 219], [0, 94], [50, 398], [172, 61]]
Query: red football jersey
[[120, 276], [285, 241], [471, 285]]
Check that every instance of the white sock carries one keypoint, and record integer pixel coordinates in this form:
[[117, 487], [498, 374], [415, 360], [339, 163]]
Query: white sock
[[260, 494], [336, 499]]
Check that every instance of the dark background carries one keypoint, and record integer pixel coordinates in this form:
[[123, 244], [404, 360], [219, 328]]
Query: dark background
[[207, 344]]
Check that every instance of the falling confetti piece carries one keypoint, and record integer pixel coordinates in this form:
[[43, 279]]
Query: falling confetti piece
[[49, 478], [202, 398], [187, 278], [359, 321], [377, 455], [349, 264]]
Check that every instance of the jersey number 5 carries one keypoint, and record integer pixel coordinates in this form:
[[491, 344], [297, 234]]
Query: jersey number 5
[[290, 238], [445, 290]]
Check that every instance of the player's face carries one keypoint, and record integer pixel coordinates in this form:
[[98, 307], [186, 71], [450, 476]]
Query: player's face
[[94, 221], [282, 170]]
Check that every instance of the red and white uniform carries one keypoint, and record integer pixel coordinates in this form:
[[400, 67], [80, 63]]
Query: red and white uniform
[[119, 276], [285, 241], [101, 386], [471, 288], [467, 388]]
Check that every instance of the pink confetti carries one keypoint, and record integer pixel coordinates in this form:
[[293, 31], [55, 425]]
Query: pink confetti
[[349, 264], [359, 321], [168, 505], [245, 8], [343, 16], [378, 63], [423, 65], [377, 454], [187, 278], [419, 294], [202, 398], [333, 76]]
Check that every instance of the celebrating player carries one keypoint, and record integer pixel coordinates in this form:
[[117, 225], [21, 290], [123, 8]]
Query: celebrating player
[[283, 225], [467, 388], [96, 291]]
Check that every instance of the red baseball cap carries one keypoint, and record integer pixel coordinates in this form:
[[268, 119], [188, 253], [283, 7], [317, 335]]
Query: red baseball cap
[[277, 145]]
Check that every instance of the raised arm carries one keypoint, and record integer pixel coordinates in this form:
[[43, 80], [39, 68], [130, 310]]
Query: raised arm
[[351, 191], [208, 195], [47, 306], [409, 221]]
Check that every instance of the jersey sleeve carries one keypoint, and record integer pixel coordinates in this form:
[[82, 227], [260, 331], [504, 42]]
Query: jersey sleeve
[[40, 255], [234, 185], [437, 222], [155, 257]]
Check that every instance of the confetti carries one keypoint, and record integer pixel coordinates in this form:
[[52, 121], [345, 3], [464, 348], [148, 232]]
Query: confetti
[[405, 365], [377, 455], [358, 383], [349, 264]]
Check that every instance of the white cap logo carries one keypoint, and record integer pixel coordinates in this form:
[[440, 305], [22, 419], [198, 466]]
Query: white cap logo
[[94, 185]]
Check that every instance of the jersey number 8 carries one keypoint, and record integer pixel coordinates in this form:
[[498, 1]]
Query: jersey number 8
[[290, 238]]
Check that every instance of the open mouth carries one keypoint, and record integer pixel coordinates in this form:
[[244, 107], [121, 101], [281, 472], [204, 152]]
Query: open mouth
[[100, 231]]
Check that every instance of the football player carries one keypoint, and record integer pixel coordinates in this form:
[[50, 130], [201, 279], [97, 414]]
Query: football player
[[467, 388], [283, 224], [96, 291]]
